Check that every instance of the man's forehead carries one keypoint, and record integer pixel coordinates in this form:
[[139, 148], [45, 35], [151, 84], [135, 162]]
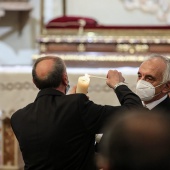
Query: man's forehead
[[151, 67], [155, 63], [147, 67]]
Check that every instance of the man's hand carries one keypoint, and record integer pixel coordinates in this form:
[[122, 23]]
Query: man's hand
[[72, 90], [114, 77]]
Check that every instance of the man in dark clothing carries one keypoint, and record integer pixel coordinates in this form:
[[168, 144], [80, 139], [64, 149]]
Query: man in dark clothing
[[153, 83], [57, 131]]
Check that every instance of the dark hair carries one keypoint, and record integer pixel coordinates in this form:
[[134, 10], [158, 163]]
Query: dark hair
[[54, 77], [137, 141]]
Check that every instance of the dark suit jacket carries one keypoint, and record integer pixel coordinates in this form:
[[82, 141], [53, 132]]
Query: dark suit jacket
[[163, 107], [57, 131]]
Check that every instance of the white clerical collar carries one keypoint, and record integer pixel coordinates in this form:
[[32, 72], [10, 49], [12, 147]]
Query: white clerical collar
[[151, 105]]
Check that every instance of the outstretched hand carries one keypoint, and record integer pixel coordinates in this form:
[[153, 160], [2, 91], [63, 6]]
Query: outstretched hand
[[114, 77]]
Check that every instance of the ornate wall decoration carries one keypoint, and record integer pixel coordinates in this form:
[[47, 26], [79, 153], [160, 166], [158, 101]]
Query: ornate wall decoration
[[160, 8]]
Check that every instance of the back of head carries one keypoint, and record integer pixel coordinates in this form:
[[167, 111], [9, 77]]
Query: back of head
[[47, 72], [137, 141]]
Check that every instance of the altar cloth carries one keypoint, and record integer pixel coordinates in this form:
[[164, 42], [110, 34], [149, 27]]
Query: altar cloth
[[17, 89]]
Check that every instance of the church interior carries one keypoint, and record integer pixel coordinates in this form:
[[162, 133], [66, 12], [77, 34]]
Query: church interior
[[91, 36]]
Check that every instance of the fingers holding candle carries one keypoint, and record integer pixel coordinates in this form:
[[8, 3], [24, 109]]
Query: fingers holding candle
[[72, 90]]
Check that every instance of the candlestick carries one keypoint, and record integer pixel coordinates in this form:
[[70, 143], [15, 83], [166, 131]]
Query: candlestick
[[83, 84]]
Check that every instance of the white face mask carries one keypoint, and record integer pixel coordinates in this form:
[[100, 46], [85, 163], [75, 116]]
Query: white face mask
[[145, 90]]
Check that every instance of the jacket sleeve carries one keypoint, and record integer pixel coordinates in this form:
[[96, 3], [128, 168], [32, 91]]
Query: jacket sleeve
[[94, 116], [128, 98]]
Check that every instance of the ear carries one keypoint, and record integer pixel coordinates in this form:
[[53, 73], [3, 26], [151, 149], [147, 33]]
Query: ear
[[166, 89], [34, 83], [65, 79]]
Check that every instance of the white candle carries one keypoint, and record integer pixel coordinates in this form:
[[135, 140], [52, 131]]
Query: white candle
[[83, 84]]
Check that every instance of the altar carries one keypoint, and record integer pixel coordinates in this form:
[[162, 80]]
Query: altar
[[81, 40]]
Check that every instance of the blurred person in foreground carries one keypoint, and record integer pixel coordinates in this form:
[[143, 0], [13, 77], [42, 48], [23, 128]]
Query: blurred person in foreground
[[136, 141], [57, 131], [153, 83]]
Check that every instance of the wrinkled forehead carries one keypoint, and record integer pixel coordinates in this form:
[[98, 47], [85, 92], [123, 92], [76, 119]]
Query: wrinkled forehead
[[155, 67]]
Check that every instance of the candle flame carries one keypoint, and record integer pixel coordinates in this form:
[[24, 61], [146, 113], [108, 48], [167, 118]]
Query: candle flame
[[87, 75]]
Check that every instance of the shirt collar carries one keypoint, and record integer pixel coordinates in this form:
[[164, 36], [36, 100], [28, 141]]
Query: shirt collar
[[151, 105]]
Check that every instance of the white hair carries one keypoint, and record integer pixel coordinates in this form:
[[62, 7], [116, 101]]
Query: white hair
[[166, 60]]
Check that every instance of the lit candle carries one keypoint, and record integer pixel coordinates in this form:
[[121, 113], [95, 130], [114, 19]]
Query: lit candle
[[83, 84]]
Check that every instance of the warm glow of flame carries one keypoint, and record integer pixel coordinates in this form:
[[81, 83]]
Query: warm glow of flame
[[87, 75]]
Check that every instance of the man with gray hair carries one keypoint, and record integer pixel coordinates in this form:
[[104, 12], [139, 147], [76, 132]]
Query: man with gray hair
[[153, 83]]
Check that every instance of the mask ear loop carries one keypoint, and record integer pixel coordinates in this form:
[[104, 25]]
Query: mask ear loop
[[160, 84], [160, 91], [167, 86]]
